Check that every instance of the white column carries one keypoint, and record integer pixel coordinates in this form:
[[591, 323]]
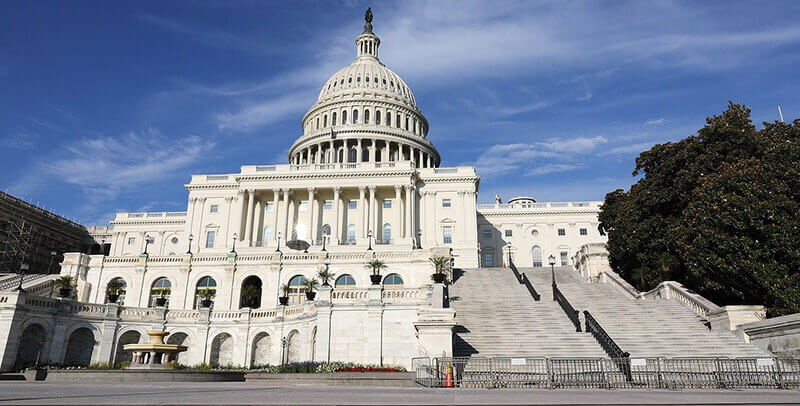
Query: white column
[[413, 215], [248, 225], [318, 154], [229, 225], [359, 153], [335, 233], [286, 226], [430, 160], [275, 202], [431, 226], [363, 209], [397, 227], [202, 203], [385, 153], [311, 232], [409, 199], [257, 214], [331, 152], [372, 151], [372, 211]]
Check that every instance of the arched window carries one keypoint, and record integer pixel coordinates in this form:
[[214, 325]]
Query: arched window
[[267, 235], [393, 280], [387, 233], [297, 289], [324, 121], [536, 252], [366, 116], [121, 291], [397, 121], [388, 118], [160, 288], [206, 289], [326, 233], [345, 281], [80, 347], [355, 116], [351, 233], [344, 116], [250, 295], [333, 118], [317, 123], [377, 117], [353, 155]]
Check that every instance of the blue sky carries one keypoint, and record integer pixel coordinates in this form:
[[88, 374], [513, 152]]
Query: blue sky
[[111, 106]]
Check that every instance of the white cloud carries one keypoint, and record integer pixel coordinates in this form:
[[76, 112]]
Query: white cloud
[[629, 148], [551, 168], [265, 112], [505, 158], [586, 97], [20, 141], [656, 121]]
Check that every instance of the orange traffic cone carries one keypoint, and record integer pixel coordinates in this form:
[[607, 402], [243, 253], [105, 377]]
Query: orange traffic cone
[[448, 378]]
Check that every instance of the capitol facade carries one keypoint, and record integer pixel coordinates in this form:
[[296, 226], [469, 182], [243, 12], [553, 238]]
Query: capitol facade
[[362, 182]]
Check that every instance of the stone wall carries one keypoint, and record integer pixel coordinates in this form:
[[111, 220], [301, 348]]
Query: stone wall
[[779, 335]]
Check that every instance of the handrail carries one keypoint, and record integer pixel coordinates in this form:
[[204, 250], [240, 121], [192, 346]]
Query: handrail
[[609, 345], [567, 307], [621, 284], [675, 290], [531, 289], [523, 279]]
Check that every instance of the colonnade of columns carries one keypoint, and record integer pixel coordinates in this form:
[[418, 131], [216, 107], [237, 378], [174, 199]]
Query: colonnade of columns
[[287, 219], [365, 150]]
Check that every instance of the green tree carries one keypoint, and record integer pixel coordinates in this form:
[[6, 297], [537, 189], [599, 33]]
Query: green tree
[[718, 211]]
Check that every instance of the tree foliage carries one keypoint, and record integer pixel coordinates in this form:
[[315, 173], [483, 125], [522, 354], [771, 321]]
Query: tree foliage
[[718, 211]]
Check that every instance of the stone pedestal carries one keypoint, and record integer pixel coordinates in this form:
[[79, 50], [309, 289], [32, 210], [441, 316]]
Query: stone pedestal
[[435, 332]]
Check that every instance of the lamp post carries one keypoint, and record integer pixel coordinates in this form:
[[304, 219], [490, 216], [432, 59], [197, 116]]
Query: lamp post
[[52, 257], [369, 238], [324, 240], [147, 239], [552, 260], [327, 263], [283, 351], [279, 242], [103, 246], [419, 239], [233, 249], [22, 268], [509, 255], [191, 237]]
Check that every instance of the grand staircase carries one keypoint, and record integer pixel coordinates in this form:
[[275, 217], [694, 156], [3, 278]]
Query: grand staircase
[[497, 317]]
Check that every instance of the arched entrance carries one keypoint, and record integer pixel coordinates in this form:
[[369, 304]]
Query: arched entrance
[[250, 295], [178, 339], [128, 337], [262, 349], [294, 348], [80, 347], [221, 350], [31, 343]]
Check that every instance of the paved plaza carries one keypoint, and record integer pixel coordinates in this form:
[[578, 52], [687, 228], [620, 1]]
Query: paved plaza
[[266, 393]]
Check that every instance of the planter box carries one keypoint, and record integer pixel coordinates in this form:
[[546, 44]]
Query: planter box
[[390, 379]]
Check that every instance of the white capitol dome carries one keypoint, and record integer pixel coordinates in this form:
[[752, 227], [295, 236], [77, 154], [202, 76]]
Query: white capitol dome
[[365, 113]]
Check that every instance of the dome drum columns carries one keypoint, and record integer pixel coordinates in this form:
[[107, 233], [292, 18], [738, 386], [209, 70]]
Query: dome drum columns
[[354, 151]]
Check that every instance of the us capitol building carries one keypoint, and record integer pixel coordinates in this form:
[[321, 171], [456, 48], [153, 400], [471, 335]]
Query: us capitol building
[[362, 182]]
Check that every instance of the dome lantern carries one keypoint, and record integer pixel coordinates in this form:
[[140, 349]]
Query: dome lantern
[[367, 43]]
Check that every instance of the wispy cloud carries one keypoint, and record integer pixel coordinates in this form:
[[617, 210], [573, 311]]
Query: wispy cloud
[[505, 158], [586, 97], [656, 121], [265, 112], [20, 141]]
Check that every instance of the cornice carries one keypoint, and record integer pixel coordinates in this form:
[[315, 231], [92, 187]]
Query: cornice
[[323, 175], [509, 213]]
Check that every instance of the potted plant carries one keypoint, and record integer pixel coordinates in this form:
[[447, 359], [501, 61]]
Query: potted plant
[[377, 266], [205, 297], [250, 295], [325, 274], [285, 298], [64, 285], [440, 263], [161, 301], [113, 288], [311, 285]]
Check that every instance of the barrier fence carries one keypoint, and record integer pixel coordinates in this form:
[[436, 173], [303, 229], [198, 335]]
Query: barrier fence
[[608, 373]]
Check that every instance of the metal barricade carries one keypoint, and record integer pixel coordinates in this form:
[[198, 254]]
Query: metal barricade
[[424, 374], [520, 373], [577, 373]]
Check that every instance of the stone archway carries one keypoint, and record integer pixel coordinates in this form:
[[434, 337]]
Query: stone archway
[[80, 347], [31, 343], [178, 339], [128, 337], [250, 294], [221, 350], [294, 348], [262, 350]]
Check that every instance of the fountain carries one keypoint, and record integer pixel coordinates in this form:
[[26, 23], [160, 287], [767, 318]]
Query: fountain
[[152, 355]]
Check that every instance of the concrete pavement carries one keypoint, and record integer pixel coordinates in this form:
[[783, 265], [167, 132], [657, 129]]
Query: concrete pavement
[[266, 393]]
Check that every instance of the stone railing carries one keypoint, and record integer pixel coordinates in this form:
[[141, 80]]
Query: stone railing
[[403, 295], [150, 215], [674, 290], [541, 205], [183, 315], [290, 168], [349, 295], [613, 279]]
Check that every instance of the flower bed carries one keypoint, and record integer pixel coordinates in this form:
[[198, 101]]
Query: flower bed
[[368, 369]]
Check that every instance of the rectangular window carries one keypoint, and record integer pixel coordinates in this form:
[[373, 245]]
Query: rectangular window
[[446, 203], [488, 260], [387, 204], [214, 208], [562, 232], [564, 259], [303, 206], [509, 233], [131, 240], [584, 231], [487, 234], [270, 206], [210, 239], [328, 205], [447, 235], [352, 204]]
